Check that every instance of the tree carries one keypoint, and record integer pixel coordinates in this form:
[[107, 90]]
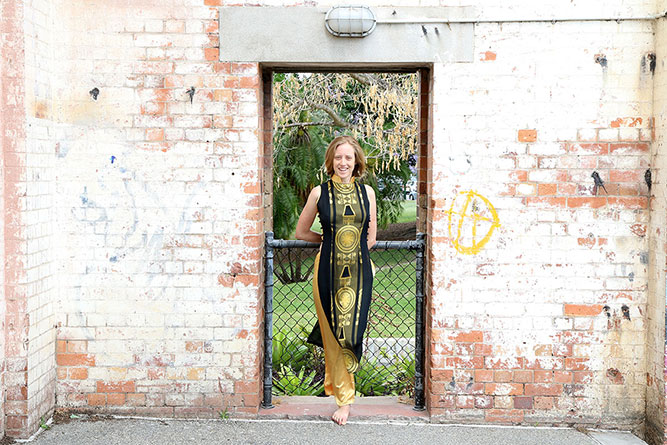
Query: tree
[[310, 109]]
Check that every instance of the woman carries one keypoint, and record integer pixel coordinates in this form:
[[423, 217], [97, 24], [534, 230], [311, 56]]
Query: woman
[[343, 275]]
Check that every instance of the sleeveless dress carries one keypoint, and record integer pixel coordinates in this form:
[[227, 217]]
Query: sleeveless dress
[[344, 275]]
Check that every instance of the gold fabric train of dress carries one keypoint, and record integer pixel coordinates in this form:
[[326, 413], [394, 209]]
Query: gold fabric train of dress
[[337, 380]]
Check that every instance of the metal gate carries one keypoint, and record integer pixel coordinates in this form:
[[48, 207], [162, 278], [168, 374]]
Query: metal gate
[[393, 359]]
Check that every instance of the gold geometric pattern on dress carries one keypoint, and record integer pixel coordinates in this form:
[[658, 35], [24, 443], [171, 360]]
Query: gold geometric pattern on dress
[[347, 239], [343, 258], [348, 215], [345, 299], [351, 362]]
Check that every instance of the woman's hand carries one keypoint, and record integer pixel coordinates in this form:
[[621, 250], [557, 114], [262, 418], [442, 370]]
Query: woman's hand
[[307, 217], [373, 224]]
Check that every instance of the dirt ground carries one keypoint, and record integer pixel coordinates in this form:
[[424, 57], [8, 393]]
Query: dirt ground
[[398, 232]]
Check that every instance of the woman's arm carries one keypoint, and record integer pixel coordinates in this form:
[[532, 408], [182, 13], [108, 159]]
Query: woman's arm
[[373, 225], [307, 217]]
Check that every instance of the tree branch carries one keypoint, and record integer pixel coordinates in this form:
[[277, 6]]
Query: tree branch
[[338, 121], [308, 124]]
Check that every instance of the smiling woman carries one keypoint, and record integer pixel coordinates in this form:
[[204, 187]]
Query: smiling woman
[[343, 272]]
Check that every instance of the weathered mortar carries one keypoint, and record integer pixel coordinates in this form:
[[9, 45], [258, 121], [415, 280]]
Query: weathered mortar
[[157, 204]]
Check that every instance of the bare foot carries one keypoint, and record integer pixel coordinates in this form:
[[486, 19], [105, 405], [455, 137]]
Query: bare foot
[[341, 415]]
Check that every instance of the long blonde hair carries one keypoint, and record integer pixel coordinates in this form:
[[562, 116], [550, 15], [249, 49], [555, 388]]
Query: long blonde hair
[[359, 156]]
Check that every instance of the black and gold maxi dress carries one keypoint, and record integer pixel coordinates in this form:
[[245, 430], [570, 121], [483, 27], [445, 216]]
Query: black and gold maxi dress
[[342, 283]]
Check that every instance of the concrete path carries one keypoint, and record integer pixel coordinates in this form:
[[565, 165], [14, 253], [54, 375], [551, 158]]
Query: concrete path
[[97, 430]]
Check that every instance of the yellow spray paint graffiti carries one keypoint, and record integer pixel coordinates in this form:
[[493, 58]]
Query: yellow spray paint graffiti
[[470, 215]]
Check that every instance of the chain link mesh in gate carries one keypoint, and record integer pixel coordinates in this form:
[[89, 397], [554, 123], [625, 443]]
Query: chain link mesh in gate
[[388, 363]]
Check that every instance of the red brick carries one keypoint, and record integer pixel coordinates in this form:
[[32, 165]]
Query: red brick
[[592, 202], [137, 399], [97, 399], [640, 202], [482, 349], [470, 337], [61, 346], [61, 373], [543, 350], [119, 386], [523, 402], [547, 189], [116, 399], [513, 416], [543, 403], [563, 376], [488, 56], [535, 389], [211, 54], [521, 376], [542, 201], [567, 189], [155, 134], [75, 360], [599, 149], [464, 349], [16, 422], [626, 175], [582, 310], [78, 373], [583, 377], [483, 375], [629, 147], [502, 376], [194, 346], [542, 376], [504, 389], [527, 135], [626, 122], [465, 362]]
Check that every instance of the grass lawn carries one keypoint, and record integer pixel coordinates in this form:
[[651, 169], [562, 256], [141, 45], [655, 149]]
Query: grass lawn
[[392, 308]]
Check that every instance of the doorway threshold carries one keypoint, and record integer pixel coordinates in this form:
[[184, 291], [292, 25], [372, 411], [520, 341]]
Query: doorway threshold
[[382, 408]]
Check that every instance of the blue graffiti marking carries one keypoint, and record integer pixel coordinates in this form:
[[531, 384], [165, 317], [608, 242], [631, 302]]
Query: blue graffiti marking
[[113, 158]]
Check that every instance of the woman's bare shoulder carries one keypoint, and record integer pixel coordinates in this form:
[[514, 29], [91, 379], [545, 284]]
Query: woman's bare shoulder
[[370, 190], [316, 192]]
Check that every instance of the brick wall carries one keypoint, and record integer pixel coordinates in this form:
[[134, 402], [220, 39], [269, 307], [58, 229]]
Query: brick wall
[[134, 220], [30, 378], [12, 138], [546, 322], [655, 345], [160, 309]]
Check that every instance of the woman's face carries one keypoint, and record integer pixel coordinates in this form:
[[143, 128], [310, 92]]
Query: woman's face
[[344, 161]]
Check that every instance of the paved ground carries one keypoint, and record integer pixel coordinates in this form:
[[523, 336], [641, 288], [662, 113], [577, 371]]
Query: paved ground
[[124, 431]]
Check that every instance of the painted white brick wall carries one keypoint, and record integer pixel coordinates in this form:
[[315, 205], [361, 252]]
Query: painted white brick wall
[[154, 254]]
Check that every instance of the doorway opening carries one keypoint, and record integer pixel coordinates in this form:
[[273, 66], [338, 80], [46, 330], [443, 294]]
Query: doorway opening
[[388, 111]]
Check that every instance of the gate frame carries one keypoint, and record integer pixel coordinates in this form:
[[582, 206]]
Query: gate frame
[[418, 245]]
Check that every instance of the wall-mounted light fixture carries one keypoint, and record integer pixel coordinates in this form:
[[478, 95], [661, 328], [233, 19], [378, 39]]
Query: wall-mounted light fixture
[[350, 21]]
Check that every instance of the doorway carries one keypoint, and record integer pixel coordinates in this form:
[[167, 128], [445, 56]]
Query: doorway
[[288, 360]]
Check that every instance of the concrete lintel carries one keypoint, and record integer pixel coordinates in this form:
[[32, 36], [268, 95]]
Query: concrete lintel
[[298, 35]]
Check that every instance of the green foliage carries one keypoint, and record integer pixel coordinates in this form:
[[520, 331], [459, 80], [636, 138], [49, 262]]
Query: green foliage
[[380, 110], [292, 383], [373, 379], [43, 425], [296, 164], [224, 414], [289, 351], [403, 370], [389, 185]]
